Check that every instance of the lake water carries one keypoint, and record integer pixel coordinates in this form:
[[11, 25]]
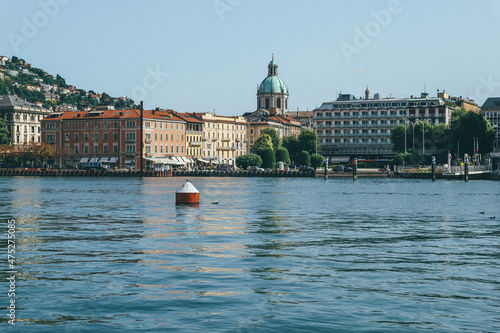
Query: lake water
[[275, 255]]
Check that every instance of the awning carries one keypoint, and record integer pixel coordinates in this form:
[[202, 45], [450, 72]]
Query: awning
[[184, 159], [339, 159], [104, 159], [84, 160], [94, 160], [203, 161], [113, 159], [165, 160], [129, 161]]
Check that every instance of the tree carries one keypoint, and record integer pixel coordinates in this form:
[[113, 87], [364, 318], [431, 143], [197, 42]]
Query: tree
[[274, 136], [268, 158], [304, 158], [317, 160], [308, 141], [263, 141], [282, 156], [14, 60], [244, 161], [4, 134], [467, 125], [292, 145], [398, 138]]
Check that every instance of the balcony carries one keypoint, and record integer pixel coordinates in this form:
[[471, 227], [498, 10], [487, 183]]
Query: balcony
[[130, 140], [147, 140], [195, 143], [225, 148]]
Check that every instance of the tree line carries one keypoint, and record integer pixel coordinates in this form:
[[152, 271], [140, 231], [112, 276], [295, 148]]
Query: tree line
[[468, 132], [269, 149]]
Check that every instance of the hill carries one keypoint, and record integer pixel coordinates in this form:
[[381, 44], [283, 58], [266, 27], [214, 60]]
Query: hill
[[17, 77]]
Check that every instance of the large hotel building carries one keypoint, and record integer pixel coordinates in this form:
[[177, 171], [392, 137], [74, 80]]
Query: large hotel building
[[349, 127]]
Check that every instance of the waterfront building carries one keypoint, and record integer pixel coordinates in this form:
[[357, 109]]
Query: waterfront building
[[306, 118], [224, 138], [194, 134], [491, 111], [112, 138], [22, 119], [349, 127], [260, 119]]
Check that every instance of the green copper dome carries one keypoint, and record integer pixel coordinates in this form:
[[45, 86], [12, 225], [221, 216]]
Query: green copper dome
[[273, 83]]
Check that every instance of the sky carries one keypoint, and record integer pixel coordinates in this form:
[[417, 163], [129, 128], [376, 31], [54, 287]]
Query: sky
[[210, 55]]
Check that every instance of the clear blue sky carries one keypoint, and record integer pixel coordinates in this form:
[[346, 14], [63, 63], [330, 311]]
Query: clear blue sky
[[216, 51]]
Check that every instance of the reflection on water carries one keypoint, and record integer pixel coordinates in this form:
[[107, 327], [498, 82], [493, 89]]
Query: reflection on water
[[275, 255]]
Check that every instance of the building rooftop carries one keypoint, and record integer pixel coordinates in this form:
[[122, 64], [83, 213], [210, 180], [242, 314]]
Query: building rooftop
[[491, 102], [7, 101], [114, 114]]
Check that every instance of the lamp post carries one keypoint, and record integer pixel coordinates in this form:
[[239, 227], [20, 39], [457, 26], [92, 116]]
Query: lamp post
[[423, 137], [405, 129]]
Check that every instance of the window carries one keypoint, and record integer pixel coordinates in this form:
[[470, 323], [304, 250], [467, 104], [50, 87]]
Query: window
[[76, 137], [115, 136], [86, 136], [86, 149], [130, 149], [105, 136], [95, 148], [96, 136], [105, 148], [51, 138], [115, 148], [66, 136], [77, 148], [130, 136]]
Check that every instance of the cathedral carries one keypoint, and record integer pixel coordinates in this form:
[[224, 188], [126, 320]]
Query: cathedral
[[272, 93], [272, 107]]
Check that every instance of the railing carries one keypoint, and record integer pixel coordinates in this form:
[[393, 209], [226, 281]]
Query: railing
[[472, 168], [439, 168]]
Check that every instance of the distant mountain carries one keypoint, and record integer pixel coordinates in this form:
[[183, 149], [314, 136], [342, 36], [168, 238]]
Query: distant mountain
[[17, 77]]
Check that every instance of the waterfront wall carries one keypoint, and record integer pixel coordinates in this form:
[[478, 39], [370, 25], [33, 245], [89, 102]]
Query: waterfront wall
[[119, 173]]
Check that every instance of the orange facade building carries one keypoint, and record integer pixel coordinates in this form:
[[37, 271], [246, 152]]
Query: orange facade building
[[112, 138]]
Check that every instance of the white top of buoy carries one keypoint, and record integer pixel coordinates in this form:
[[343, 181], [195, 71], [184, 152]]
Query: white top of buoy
[[187, 187]]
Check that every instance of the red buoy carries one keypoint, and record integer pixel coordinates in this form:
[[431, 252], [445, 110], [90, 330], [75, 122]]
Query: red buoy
[[187, 194]]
